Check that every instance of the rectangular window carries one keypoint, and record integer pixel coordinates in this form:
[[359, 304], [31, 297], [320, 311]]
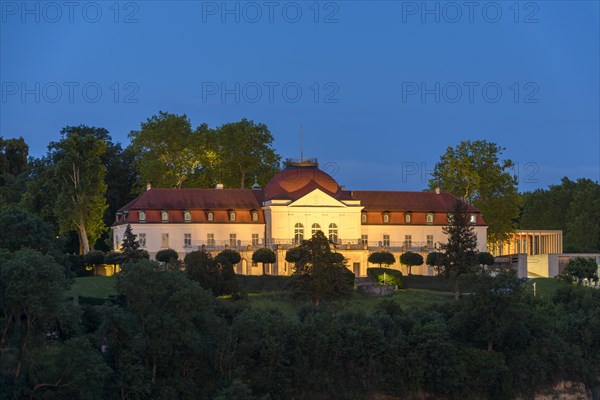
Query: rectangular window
[[430, 241], [165, 241], [356, 268], [187, 239], [408, 241], [255, 239], [210, 239], [142, 240], [386, 240], [232, 240], [364, 239]]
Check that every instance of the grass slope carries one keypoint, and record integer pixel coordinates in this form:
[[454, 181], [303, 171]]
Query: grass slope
[[93, 286]]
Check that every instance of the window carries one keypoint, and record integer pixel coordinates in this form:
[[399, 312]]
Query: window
[[165, 241], [255, 239], [254, 216], [386, 218], [408, 241], [450, 218], [298, 233], [407, 218], [429, 241], [473, 218], [333, 233], [363, 218], [210, 239], [315, 229], [210, 216], [187, 240], [187, 216], [164, 215], [232, 240], [364, 239], [429, 218], [386, 240], [232, 215], [142, 240], [142, 216]]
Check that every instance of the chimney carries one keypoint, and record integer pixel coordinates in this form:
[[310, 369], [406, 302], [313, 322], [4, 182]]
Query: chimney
[[219, 186], [437, 190], [148, 186]]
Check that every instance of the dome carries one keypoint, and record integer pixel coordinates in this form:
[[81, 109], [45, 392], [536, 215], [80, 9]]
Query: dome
[[295, 181]]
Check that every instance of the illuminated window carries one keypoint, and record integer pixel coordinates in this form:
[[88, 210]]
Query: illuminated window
[[386, 240], [165, 241], [142, 240], [363, 218], [254, 216], [333, 233], [187, 216], [210, 216], [429, 218], [450, 218], [408, 241], [164, 215], [232, 240], [364, 239], [298, 233], [232, 216], [473, 218], [210, 239], [255, 239], [386, 218], [315, 228], [187, 239], [142, 216], [407, 218]]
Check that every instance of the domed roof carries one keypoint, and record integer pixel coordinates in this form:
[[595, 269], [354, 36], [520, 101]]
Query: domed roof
[[296, 181]]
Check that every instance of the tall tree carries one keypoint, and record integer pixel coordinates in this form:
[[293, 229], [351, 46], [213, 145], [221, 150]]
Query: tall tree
[[13, 155], [461, 248], [474, 171], [167, 151], [80, 204], [245, 154]]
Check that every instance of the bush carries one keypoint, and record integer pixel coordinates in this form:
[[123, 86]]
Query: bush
[[391, 276], [166, 255], [382, 257]]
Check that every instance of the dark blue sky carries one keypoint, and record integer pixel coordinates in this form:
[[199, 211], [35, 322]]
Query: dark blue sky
[[381, 88]]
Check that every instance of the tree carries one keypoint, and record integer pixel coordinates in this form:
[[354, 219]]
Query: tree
[[215, 274], [473, 171], [438, 260], [319, 274], [31, 300], [167, 255], [411, 259], [167, 151], [580, 268], [245, 154], [13, 156], [80, 204], [131, 247], [485, 258], [115, 258], [381, 257], [22, 229], [232, 256], [264, 256], [93, 259], [461, 248]]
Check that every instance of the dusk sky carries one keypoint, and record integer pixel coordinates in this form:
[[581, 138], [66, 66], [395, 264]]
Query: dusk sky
[[381, 88]]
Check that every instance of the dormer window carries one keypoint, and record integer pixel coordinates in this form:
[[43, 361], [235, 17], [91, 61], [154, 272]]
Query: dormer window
[[142, 216], [232, 216], [386, 217], [210, 216], [254, 216], [363, 218], [473, 219], [429, 218], [187, 216], [450, 218], [407, 218], [164, 216]]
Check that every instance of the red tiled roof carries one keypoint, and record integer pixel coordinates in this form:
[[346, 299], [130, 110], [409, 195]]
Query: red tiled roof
[[373, 200], [197, 199]]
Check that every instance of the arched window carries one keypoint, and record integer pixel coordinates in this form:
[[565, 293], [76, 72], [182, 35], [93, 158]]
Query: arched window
[[363, 218], [210, 216], [407, 218], [386, 218], [298, 233], [187, 216], [142, 216], [232, 215], [315, 229], [254, 216], [429, 218], [164, 216], [333, 233]]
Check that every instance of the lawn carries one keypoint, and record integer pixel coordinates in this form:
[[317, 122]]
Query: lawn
[[545, 287], [93, 286]]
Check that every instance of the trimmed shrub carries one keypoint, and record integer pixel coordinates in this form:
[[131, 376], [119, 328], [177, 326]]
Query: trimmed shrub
[[166, 255], [387, 276]]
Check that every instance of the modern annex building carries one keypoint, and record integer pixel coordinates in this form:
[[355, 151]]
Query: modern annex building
[[297, 202]]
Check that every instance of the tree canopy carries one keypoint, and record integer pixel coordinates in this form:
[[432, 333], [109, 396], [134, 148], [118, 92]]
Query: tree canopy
[[382, 257], [411, 259]]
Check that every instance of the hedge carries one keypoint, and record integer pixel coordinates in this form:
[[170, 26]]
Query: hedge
[[392, 276]]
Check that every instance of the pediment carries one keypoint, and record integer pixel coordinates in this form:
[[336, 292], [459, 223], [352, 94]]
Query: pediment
[[317, 198]]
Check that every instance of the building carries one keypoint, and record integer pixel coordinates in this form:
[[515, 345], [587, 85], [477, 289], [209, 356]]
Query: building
[[296, 203]]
